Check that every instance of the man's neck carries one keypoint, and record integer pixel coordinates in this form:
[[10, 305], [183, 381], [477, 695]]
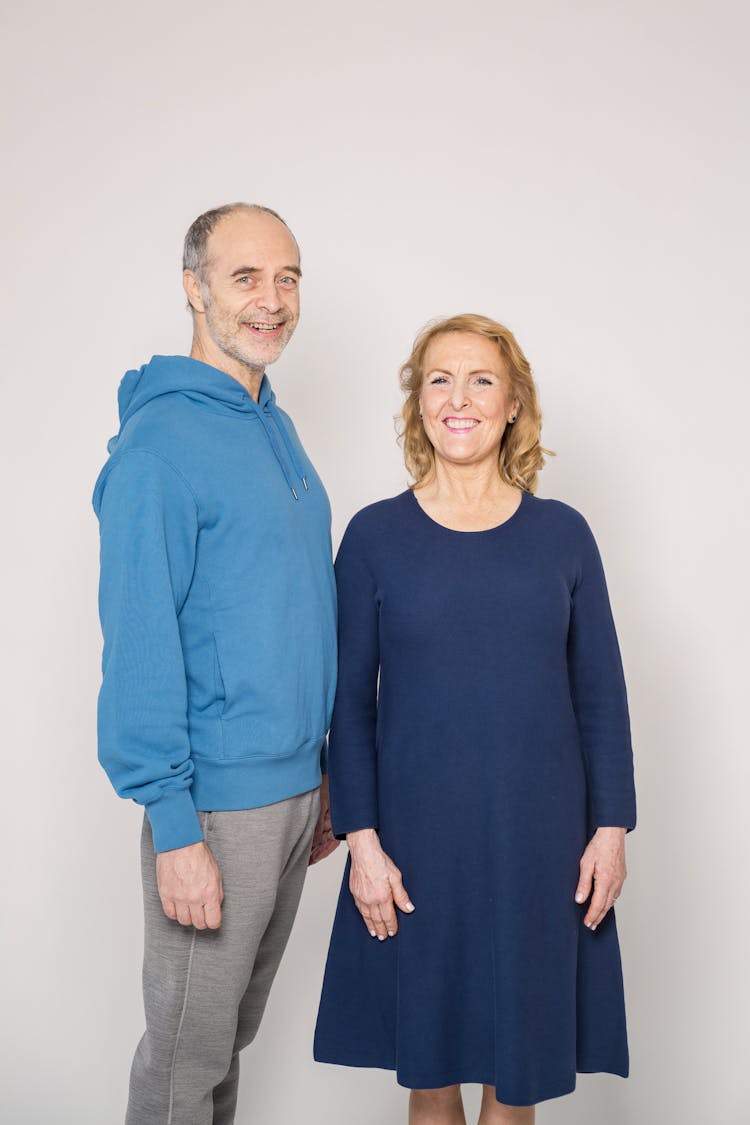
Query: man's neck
[[248, 377]]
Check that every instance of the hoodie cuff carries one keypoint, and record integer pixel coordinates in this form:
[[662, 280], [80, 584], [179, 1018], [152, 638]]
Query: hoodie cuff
[[174, 821]]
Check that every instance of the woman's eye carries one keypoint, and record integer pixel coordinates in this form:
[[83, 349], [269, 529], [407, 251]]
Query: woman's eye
[[436, 379], [484, 382]]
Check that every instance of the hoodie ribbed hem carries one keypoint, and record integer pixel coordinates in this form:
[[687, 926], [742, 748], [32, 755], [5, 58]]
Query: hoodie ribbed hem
[[249, 783]]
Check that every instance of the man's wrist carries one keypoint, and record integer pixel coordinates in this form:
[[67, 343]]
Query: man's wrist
[[183, 848]]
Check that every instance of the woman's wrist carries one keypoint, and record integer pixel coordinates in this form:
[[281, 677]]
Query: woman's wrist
[[363, 840]]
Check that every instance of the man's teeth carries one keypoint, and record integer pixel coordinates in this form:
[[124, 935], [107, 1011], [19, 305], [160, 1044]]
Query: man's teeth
[[265, 327]]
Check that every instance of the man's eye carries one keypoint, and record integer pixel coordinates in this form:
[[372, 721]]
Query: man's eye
[[245, 277], [288, 281]]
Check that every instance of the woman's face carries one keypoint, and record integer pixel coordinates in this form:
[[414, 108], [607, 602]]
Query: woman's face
[[465, 398]]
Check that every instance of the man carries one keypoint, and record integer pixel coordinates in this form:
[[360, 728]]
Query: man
[[217, 603]]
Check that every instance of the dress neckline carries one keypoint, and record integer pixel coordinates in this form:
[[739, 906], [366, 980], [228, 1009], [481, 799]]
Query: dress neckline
[[525, 497]]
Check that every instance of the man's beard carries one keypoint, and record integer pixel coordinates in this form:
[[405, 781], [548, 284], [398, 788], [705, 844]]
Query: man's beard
[[226, 334]]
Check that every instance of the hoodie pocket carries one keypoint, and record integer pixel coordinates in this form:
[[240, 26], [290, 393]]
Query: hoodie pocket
[[221, 691]]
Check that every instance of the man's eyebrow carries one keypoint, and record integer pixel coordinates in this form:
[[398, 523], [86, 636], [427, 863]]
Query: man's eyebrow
[[256, 269]]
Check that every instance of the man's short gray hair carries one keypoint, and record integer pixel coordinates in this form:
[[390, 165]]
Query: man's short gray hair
[[194, 253]]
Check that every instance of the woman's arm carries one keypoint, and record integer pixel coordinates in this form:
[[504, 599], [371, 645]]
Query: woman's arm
[[598, 694], [352, 757], [600, 702], [375, 881]]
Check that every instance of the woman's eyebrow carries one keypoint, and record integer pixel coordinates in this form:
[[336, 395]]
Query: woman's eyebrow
[[478, 371]]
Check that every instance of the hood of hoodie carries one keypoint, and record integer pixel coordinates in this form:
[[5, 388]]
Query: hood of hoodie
[[214, 390], [205, 385]]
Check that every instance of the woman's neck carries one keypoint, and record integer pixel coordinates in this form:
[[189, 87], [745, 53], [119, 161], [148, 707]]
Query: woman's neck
[[467, 497], [468, 486]]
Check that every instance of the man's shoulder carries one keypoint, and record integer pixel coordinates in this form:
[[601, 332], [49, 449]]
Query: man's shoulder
[[152, 445], [159, 424], [132, 473], [164, 428]]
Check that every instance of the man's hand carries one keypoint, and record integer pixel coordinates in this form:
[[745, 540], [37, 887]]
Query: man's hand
[[189, 883], [603, 864], [375, 883], [324, 841]]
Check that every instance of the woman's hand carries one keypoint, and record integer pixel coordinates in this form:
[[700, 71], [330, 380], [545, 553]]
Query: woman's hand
[[375, 883], [603, 863]]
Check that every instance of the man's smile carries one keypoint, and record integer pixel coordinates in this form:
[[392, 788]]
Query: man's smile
[[262, 328]]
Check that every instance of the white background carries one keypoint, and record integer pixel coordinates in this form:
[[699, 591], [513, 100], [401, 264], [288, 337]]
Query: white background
[[576, 170]]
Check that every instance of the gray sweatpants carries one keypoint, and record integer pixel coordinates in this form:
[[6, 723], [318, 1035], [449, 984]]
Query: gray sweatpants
[[205, 990]]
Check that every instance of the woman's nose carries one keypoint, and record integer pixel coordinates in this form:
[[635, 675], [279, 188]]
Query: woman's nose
[[459, 396]]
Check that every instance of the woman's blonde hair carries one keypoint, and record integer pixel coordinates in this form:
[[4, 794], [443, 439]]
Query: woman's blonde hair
[[521, 454]]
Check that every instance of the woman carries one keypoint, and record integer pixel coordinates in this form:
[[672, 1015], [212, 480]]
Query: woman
[[480, 761]]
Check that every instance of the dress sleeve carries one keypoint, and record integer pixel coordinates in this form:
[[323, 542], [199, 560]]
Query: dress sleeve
[[599, 695], [352, 758], [148, 535]]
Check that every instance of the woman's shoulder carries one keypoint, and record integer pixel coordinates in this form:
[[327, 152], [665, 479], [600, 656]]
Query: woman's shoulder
[[381, 516], [557, 510], [561, 518]]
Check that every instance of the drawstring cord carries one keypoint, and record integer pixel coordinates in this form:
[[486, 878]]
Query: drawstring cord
[[270, 411], [281, 429]]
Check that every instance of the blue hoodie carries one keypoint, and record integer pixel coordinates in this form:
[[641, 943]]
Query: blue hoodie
[[217, 600]]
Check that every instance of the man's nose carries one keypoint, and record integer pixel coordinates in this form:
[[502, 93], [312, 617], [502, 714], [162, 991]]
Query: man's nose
[[268, 296]]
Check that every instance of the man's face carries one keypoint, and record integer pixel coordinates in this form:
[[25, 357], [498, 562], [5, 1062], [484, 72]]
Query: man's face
[[250, 289]]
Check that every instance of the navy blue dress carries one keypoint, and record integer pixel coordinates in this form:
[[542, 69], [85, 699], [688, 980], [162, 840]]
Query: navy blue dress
[[481, 727]]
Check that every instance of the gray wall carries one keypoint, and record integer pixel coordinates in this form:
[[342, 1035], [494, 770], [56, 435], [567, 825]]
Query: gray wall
[[572, 169]]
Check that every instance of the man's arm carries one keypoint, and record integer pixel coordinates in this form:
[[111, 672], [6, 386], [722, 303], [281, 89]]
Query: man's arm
[[324, 841], [149, 530]]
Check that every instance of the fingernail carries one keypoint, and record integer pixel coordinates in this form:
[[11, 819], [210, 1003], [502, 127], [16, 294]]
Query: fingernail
[[410, 906], [391, 933], [381, 937], [579, 898], [372, 933], [593, 927]]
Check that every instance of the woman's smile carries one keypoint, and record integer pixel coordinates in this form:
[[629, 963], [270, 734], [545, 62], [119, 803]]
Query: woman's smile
[[460, 425]]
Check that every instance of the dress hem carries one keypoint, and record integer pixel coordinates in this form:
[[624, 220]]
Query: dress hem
[[475, 1080]]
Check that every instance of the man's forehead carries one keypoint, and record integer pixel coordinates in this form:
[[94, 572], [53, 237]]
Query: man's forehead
[[253, 233]]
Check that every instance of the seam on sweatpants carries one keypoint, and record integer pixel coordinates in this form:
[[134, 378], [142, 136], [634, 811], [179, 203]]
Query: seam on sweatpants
[[179, 1028]]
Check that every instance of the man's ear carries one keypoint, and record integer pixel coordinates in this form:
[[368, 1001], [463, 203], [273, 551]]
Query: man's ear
[[192, 287]]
